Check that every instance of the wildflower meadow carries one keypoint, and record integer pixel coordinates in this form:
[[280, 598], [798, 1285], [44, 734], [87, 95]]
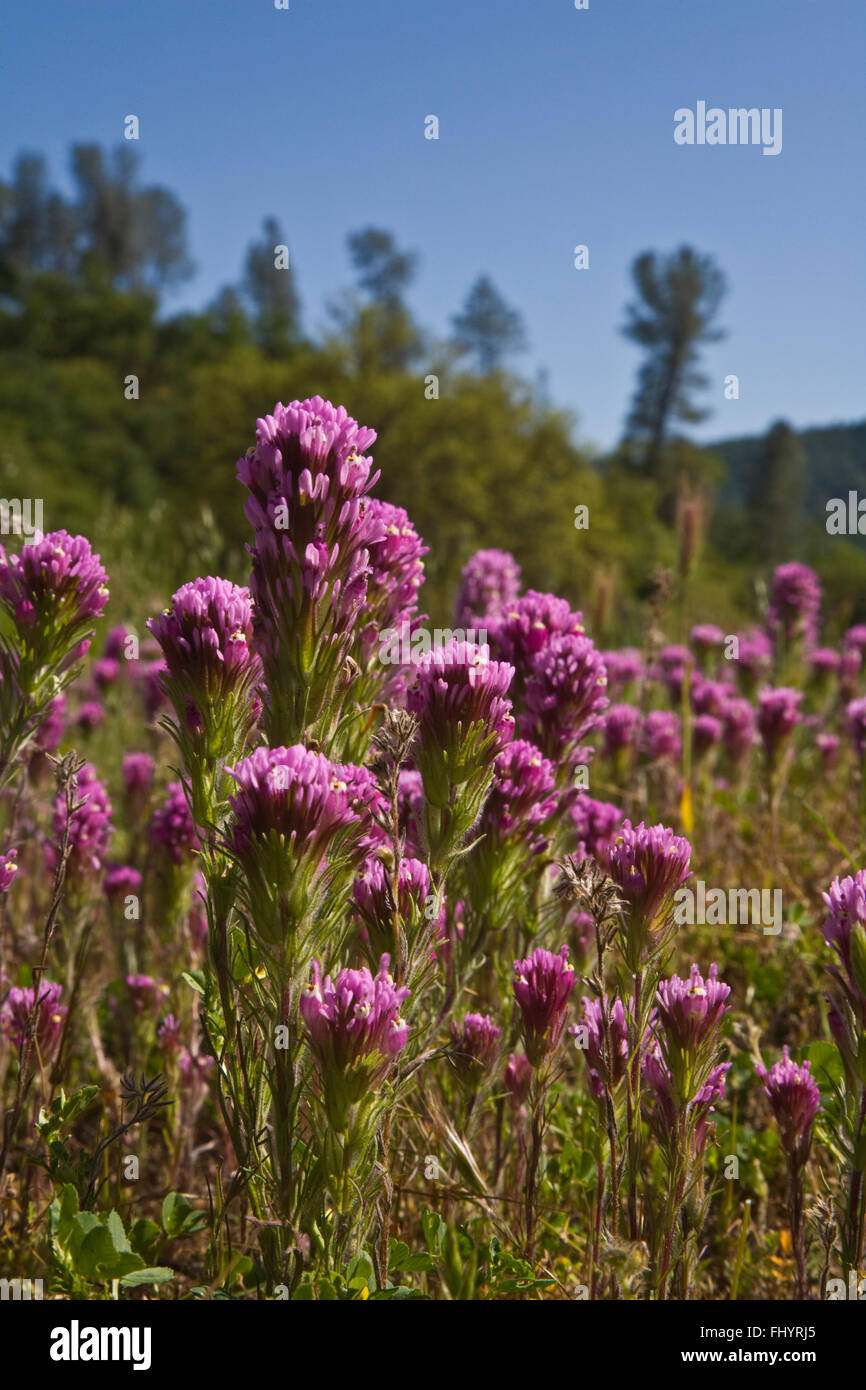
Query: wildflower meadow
[[432, 680], [362, 979]]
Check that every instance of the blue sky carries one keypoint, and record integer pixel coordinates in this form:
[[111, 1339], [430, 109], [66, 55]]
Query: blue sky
[[556, 128]]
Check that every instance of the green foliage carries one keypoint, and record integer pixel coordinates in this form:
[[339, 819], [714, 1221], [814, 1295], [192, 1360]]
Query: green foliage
[[179, 1218], [401, 1261], [89, 1250], [62, 1165], [358, 1281], [470, 1270]]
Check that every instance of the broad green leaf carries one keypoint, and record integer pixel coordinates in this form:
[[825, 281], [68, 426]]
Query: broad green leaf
[[117, 1233], [144, 1235], [66, 1212], [434, 1231], [82, 1224], [99, 1258], [420, 1262], [154, 1274], [175, 1211], [826, 1062], [361, 1268]]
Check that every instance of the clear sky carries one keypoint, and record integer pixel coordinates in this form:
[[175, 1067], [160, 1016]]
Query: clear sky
[[556, 128]]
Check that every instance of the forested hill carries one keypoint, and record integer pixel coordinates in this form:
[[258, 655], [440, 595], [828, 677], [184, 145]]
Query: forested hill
[[835, 461]]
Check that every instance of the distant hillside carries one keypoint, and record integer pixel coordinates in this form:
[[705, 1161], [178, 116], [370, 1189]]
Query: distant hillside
[[836, 462]]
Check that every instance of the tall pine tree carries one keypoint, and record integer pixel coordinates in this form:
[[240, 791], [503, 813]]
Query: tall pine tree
[[674, 315], [487, 328], [777, 495]]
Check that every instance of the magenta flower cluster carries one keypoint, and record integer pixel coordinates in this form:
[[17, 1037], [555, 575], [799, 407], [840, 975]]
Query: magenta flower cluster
[[8, 869], [623, 667], [89, 825], [795, 1101], [137, 770], [565, 693], [542, 986], [489, 584], [844, 930], [307, 478], [620, 724], [660, 736], [355, 1030], [172, 828], [292, 793], [517, 1078], [475, 1048], [596, 825], [739, 727], [374, 904], [459, 684], [671, 1116], [599, 1017], [56, 579], [522, 798], [50, 1016], [855, 717], [648, 864], [690, 1011], [205, 637], [524, 628], [795, 603], [778, 714], [395, 577]]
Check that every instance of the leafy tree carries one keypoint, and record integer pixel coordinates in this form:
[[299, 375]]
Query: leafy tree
[[487, 328], [135, 236], [270, 288], [376, 331], [384, 271], [24, 215], [227, 318], [113, 232]]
